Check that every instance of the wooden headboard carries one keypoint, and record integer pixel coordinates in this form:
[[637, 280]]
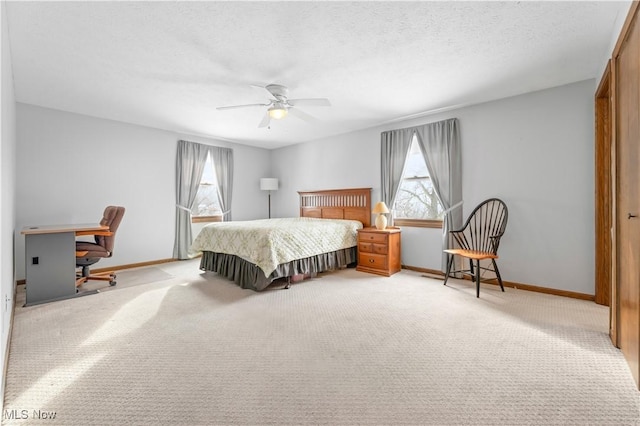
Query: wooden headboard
[[353, 204]]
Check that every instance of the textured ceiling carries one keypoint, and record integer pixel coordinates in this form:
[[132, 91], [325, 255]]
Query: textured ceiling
[[170, 64]]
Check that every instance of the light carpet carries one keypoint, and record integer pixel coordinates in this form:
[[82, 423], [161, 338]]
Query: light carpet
[[344, 348]]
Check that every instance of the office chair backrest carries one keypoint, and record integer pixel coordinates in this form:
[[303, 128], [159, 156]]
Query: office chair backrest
[[112, 218]]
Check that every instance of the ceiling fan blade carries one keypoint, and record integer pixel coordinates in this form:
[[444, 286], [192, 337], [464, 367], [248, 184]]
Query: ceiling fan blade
[[265, 120], [302, 115], [264, 88], [241, 106], [310, 102]]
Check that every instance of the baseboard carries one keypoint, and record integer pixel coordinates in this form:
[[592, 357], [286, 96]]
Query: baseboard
[[565, 293], [133, 265], [436, 273], [122, 267], [5, 365]]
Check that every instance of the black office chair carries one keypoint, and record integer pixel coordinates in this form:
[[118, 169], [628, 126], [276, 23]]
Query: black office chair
[[88, 253], [479, 239]]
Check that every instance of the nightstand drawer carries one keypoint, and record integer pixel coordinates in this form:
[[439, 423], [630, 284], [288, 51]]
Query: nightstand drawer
[[380, 248], [373, 237], [365, 247], [374, 261]]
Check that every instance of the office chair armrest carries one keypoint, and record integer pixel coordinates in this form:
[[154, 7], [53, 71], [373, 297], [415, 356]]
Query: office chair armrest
[[100, 233]]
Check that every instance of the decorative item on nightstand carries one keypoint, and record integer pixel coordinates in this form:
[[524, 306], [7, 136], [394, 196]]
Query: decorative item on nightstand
[[269, 184], [381, 220]]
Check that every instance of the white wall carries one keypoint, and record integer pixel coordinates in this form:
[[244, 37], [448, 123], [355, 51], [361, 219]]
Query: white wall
[[535, 151], [71, 166], [346, 161], [7, 190]]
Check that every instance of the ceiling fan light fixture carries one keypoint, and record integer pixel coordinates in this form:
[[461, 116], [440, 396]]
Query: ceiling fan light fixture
[[279, 104], [278, 111]]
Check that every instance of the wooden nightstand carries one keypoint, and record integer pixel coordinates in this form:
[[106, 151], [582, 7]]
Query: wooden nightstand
[[379, 251]]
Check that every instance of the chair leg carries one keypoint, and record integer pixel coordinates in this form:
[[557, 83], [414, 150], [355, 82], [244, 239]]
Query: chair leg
[[471, 266], [449, 263], [80, 281], [495, 267], [477, 278]]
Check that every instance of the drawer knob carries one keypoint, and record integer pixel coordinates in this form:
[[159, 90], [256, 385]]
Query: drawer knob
[[371, 260]]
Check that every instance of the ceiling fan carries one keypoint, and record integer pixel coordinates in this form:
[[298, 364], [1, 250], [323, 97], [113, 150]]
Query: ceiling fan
[[280, 105]]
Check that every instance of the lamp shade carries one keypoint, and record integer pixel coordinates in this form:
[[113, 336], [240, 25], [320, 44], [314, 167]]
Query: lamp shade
[[380, 207], [269, 184]]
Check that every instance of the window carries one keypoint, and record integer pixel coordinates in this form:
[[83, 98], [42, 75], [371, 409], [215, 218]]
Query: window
[[416, 202], [206, 207]]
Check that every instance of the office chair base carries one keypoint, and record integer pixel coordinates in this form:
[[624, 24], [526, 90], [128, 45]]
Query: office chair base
[[103, 276]]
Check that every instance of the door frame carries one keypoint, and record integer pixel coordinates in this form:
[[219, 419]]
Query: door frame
[[605, 289], [603, 186]]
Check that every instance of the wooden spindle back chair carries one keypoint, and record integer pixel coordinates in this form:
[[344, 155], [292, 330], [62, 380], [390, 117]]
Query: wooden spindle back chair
[[479, 239]]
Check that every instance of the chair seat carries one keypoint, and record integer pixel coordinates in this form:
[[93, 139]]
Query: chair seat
[[472, 254], [91, 249]]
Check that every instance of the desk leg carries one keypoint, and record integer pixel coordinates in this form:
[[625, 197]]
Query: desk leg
[[50, 267]]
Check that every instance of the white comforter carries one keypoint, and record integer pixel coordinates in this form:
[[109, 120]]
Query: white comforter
[[271, 242]]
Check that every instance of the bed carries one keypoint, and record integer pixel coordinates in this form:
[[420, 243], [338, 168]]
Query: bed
[[255, 253]]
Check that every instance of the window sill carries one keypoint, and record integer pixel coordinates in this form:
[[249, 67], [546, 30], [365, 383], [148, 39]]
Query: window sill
[[418, 223], [205, 219]]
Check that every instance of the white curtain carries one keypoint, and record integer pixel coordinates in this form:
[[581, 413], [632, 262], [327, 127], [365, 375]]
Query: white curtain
[[190, 161]]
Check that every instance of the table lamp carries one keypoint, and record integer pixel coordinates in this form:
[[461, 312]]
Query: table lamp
[[381, 220]]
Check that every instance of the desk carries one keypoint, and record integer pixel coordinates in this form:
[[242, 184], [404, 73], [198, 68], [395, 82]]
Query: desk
[[50, 260]]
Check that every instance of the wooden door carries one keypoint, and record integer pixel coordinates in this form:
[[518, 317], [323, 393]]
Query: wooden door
[[627, 93]]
